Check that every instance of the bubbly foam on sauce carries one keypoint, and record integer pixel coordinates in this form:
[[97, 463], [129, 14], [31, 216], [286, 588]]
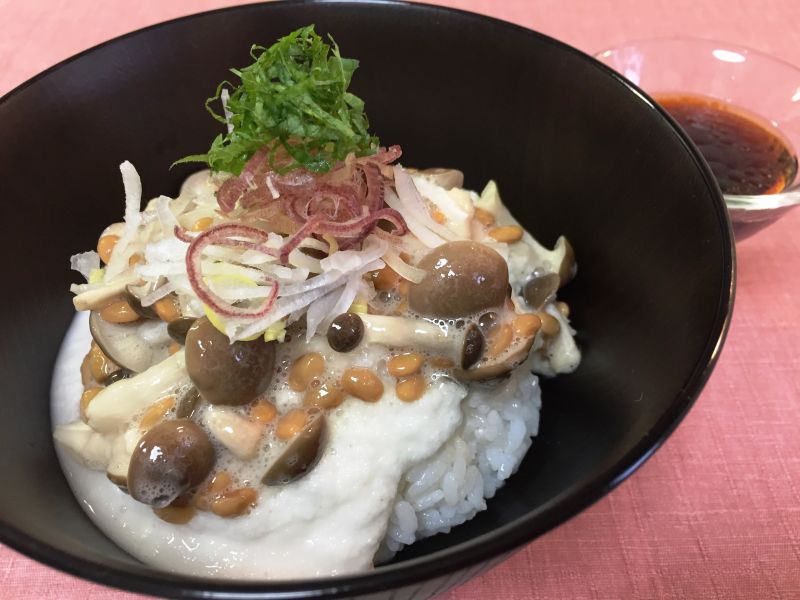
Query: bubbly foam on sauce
[[303, 529]]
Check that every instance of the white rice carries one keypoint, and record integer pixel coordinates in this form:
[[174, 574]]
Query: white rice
[[453, 485]]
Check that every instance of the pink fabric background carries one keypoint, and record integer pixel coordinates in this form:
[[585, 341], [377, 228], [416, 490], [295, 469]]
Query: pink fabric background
[[716, 513]]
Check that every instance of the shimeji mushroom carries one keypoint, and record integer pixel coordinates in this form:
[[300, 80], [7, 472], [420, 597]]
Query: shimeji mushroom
[[560, 260], [300, 455], [465, 348], [404, 332], [113, 408], [462, 278], [179, 328], [134, 346], [100, 297], [121, 452], [491, 367], [84, 444], [236, 433], [170, 459], [225, 372], [540, 289], [99, 451]]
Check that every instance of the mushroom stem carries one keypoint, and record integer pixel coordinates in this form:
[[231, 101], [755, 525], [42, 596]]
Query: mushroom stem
[[121, 452], [113, 408], [100, 297], [84, 444], [404, 332], [237, 434]]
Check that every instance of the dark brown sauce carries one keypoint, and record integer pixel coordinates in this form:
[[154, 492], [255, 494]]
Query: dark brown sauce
[[746, 157]]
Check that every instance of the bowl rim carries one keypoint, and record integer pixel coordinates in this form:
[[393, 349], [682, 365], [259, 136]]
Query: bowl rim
[[742, 202], [476, 551]]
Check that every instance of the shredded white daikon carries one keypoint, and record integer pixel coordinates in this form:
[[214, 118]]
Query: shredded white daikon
[[133, 196], [161, 292], [85, 262], [402, 268], [456, 204], [414, 205], [317, 288], [415, 226], [287, 305], [349, 260], [300, 259], [133, 200], [318, 311], [348, 295], [165, 215]]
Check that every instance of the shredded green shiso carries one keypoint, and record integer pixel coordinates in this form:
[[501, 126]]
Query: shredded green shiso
[[293, 97]]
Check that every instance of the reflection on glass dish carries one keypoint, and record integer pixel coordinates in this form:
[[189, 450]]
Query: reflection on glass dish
[[740, 107]]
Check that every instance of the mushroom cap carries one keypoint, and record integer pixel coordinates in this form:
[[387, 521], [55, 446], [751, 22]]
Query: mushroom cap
[[462, 278], [179, 328], [124, 343], [539, 290], [491, 368], [300, 455], [345, 332], [224, 372], [473, 347], [171, 458]]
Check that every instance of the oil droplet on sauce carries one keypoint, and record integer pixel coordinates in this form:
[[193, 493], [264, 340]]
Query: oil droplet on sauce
[[746, 154]]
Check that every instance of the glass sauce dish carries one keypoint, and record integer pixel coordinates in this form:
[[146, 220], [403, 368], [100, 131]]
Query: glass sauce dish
[[739, 106]]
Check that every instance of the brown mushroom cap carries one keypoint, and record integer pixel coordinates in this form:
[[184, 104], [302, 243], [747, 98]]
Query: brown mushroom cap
[[224, 372], [498, 367], [472, 350], [187, 404], [171, 458], [539, 290], [345, 332], [300, 455], [179, 328], [124, 344], [463, 278]]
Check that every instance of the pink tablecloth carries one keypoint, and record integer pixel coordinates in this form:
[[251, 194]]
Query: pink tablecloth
[[716, 513]]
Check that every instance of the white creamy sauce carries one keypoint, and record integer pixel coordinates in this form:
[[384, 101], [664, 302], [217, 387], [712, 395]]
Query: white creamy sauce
[[329, 522]]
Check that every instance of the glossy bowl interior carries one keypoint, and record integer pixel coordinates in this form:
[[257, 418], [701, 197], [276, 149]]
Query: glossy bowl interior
[[575, 149], [765, 86]]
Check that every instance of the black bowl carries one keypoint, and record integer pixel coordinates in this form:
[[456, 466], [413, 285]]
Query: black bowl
[[576, 150]]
